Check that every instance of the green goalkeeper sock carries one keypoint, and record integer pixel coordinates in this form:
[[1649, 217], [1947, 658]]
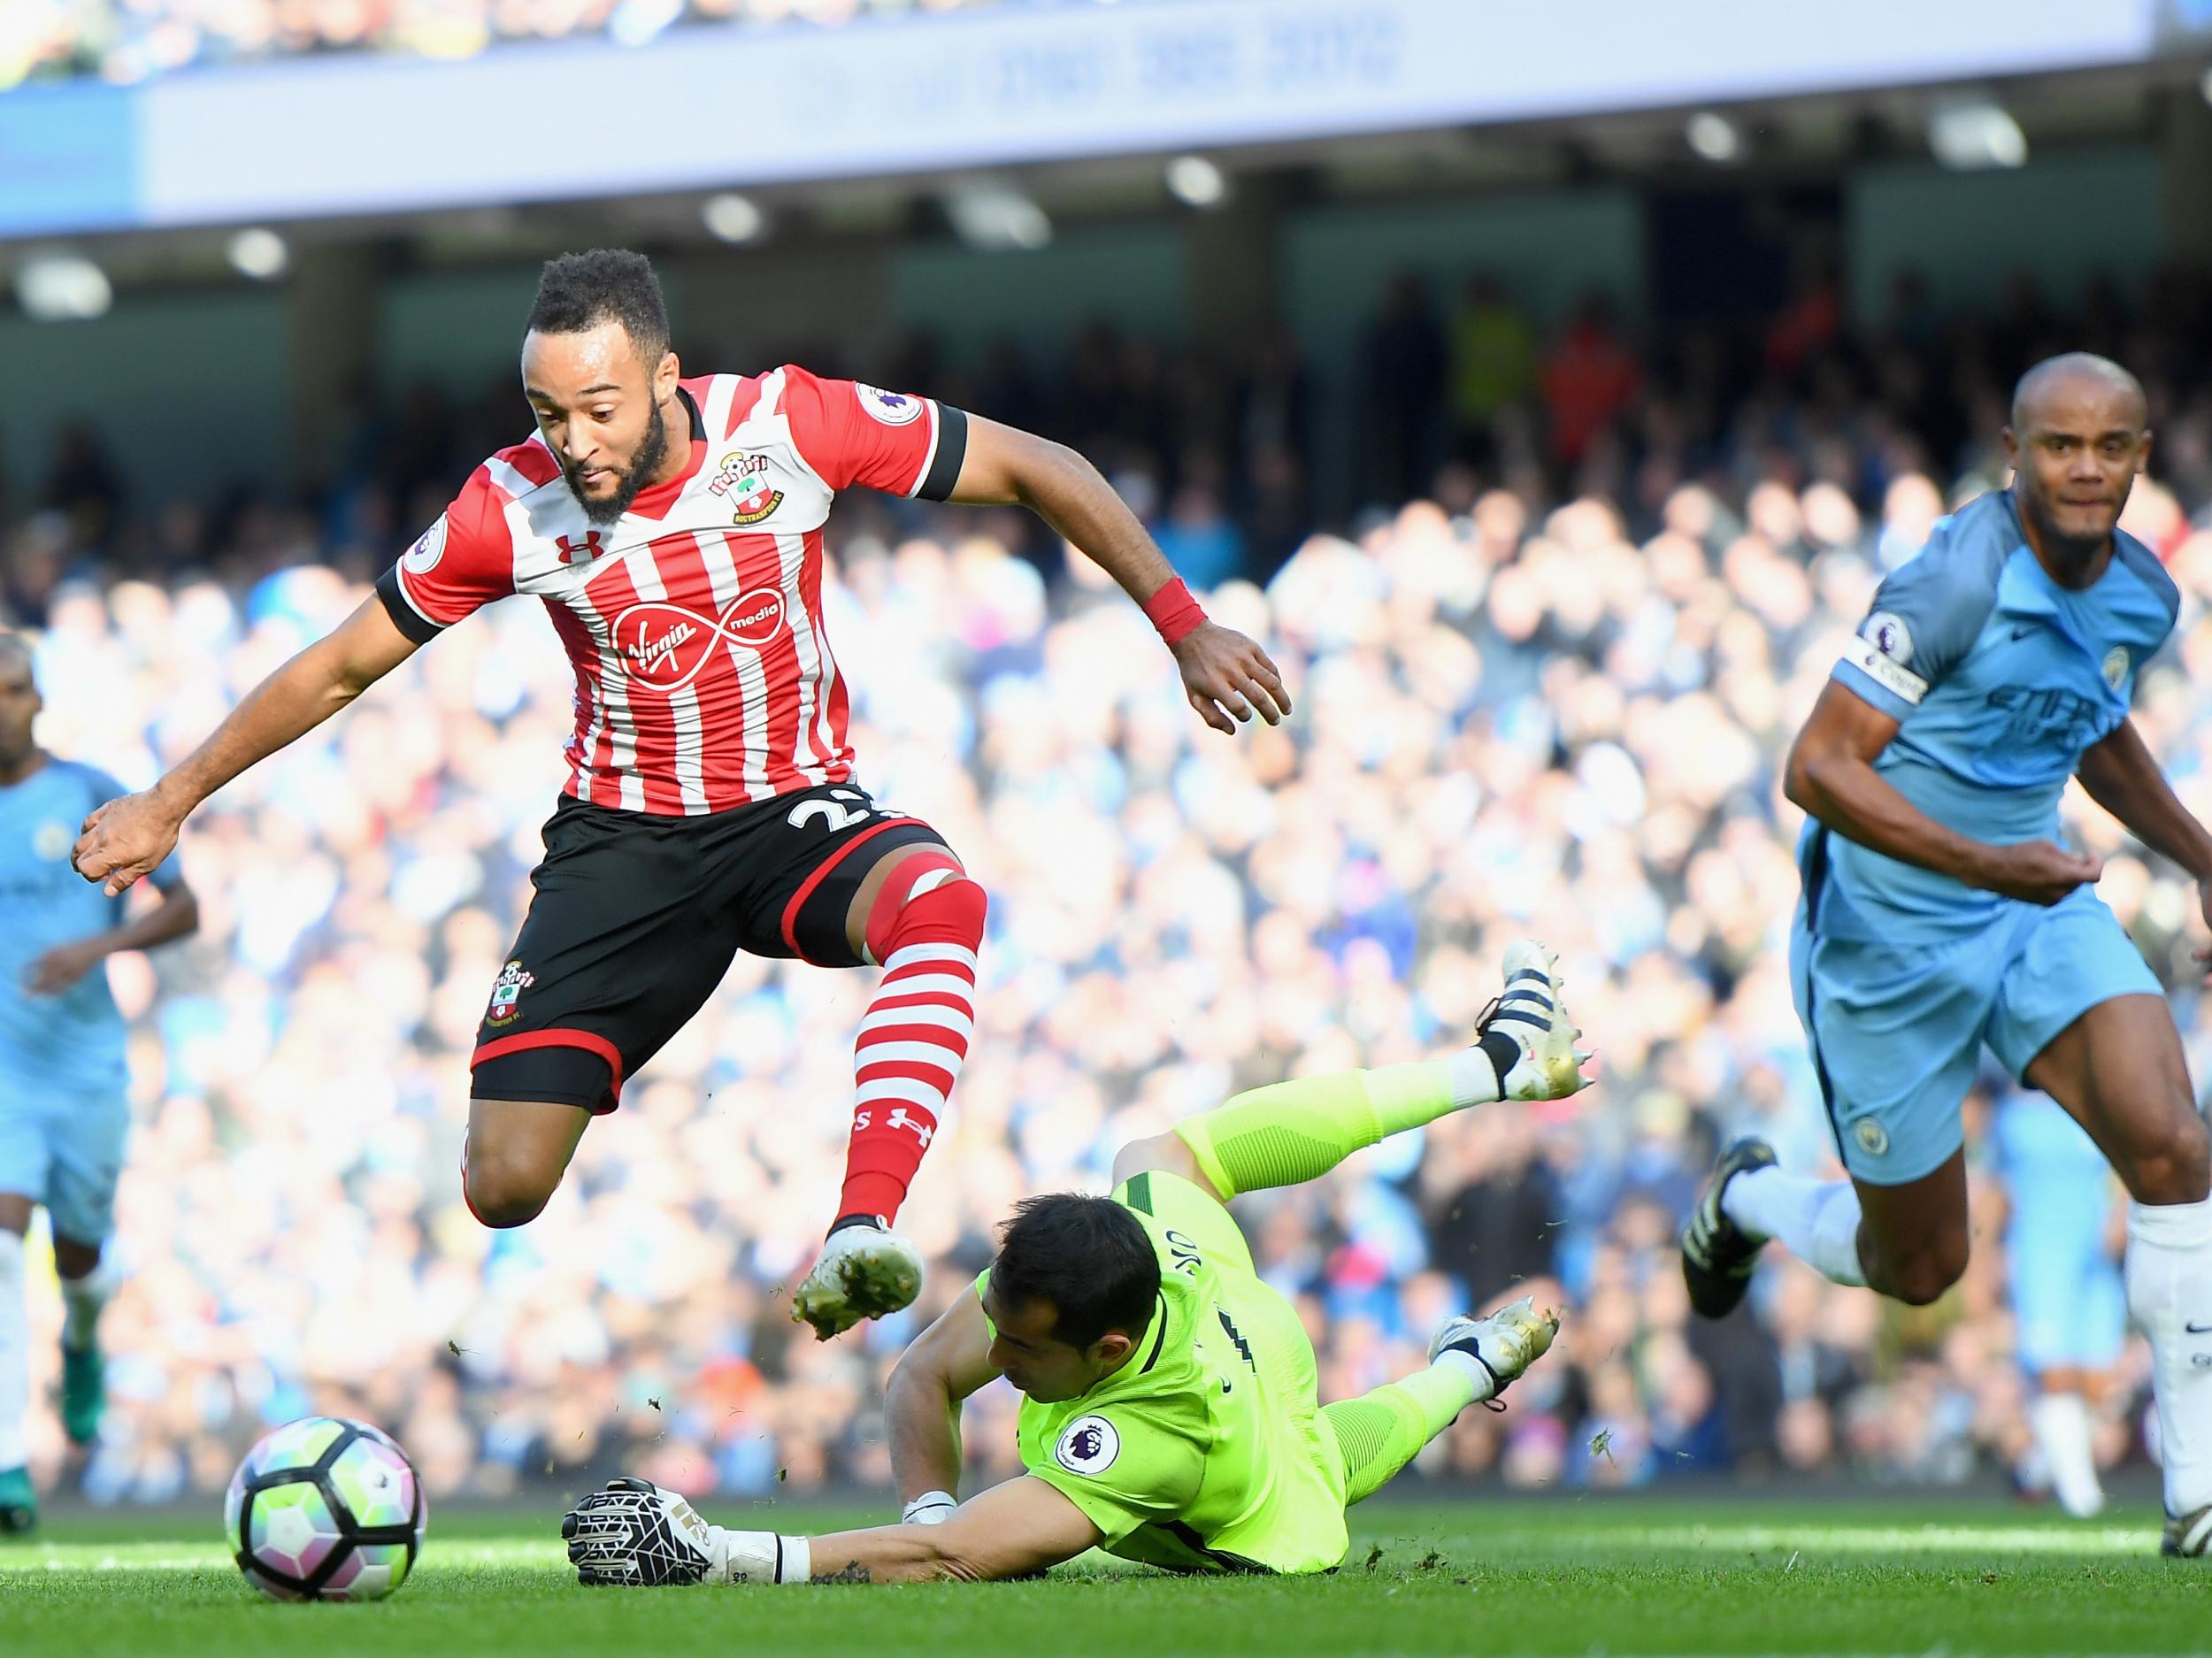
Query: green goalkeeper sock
[[1289, 1132], [1379, 1432]]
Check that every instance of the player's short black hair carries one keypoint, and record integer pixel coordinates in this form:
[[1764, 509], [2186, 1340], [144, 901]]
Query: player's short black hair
[[581, 290], [1087, 1256]]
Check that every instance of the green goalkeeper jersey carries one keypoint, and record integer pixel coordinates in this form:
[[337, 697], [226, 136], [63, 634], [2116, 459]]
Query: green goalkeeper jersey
[[1208, 1450]]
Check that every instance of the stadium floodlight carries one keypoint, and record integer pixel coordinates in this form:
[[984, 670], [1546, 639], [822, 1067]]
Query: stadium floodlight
[[1196, 182], [730, 217], [258, 253], [1974, 134], [995, 216], [1715, 137], [62, 288]]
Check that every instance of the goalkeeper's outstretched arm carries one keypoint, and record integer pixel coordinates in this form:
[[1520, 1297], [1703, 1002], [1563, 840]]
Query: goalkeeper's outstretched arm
[[634, 1533], [1010, 1530]]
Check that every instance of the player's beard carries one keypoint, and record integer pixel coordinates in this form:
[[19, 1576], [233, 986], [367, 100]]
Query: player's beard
[[2073, 553], [652, 449]]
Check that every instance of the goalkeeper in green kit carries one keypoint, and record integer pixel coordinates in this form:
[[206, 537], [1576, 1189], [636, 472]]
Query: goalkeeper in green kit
[[1170, 1413]]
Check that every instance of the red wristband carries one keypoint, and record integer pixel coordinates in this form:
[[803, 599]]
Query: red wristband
[[1174, 612]]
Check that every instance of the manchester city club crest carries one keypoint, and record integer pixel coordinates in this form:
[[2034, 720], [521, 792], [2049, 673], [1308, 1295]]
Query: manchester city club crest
[[507, 993], [2115, 666], [743, 482]]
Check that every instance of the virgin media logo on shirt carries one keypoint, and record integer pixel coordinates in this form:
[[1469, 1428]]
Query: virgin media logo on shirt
[[664, 645]]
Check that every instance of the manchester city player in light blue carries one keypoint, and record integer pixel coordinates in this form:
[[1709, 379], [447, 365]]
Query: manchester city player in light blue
[[1939, 912], [63, 1110], [2069, 1307]]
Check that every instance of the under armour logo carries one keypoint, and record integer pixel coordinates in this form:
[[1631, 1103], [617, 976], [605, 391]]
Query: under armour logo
[[589, 550], [923, 1129]]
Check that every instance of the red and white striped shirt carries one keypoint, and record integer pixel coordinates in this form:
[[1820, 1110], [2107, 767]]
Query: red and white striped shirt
[[704, 673]]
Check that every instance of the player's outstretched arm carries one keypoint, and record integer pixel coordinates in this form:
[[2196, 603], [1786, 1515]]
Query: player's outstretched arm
[[1225, 675], [1010, 1530], [125, 839], [633, 1533], [1830, 774], [921, 1407]]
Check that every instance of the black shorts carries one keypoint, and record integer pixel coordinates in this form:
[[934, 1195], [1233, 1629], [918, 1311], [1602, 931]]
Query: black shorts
[[637, 918]]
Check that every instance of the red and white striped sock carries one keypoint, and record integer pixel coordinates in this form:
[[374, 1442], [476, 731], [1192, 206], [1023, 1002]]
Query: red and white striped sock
[[916, 1031]]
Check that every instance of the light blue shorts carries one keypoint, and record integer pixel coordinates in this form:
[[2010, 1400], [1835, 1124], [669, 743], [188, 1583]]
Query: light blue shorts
[[1896, 1031], [65, 1150]]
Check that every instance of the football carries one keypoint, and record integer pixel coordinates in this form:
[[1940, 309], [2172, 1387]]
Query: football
[[324, 1510]]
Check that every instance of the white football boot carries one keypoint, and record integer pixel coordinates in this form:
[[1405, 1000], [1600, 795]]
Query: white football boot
[[865, 1270], [1533, 1014], [1503, 1345]]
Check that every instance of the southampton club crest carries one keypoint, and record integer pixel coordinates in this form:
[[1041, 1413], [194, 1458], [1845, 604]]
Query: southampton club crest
[[744, 483], [507, 993]]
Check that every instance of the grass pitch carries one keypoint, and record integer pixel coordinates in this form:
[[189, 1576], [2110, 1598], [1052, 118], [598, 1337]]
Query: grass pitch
[[1562, 1576]]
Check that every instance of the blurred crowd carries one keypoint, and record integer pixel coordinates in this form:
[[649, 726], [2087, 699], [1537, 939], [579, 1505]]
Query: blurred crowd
[[1548, 695], [1234, 453], [125, 40]]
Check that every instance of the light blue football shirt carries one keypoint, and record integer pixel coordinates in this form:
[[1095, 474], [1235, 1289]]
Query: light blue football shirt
[[72, 1042], [1999, 678]]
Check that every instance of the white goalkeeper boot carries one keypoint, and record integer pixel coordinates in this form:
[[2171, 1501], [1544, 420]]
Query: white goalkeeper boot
[[1532, 1015], [865, 1270], [1499, 1348]]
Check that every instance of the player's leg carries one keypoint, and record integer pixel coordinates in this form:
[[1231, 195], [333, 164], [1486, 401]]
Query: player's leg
[[2054, 1322], [1894, 1036], [2069, 1314], [1289, 1132], [2118, 1068], [2064, 1433], [1908, 1242], [855, 889], [613, 957], [1470, 1361], [18, 1507], [517, 1150], [918, 913], [87, 1160]]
